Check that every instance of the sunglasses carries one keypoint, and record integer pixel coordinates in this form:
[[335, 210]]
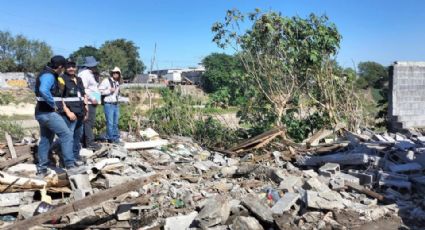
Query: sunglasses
[[71, 66]]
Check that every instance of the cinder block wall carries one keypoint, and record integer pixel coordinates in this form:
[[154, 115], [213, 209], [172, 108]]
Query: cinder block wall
[[406, 105]]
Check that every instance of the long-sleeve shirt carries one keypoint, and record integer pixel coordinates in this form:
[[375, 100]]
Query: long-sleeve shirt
[[105, 89], [90, 84], [47, 82]]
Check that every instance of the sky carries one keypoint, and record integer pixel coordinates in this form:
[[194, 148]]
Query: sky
[[373, 30]]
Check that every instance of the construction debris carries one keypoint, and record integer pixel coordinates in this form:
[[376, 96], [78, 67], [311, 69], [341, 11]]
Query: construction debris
[[175, 184]]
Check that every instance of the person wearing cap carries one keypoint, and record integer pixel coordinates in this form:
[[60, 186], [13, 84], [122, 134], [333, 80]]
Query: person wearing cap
[[110, 89], [74, 106], [48, 93], [88, 77]]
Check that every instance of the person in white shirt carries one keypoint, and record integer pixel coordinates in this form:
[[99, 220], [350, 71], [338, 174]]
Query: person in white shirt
[[110, 90], [88, 77]]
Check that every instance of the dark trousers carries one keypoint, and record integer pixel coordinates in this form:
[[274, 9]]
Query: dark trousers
[[88, 126]]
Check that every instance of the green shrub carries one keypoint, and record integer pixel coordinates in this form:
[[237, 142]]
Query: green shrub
[[126, 119], [178, 117]]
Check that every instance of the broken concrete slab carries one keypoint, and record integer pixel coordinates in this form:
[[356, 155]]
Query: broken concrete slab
[[215, 211], [340, 158], [180, 222], [149, 134], [285, 203], [28, 210], [310, 173], [114, 180], [314, 184], [16, 198], [324, 200], [23, 169], [145, 144], [288, 183], [258, 208], [86, 153], [246, 223], [118, 152]]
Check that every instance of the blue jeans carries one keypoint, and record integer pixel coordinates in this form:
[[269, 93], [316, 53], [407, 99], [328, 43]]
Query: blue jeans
[[112, 114], [51, 123], [77, 129]]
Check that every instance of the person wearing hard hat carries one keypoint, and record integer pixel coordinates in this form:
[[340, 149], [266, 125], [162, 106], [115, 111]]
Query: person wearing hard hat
[[110, 90]]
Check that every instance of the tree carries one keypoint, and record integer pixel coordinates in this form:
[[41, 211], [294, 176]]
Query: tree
[[7, 63], [21, 54], [113, 56], [133, 65], [291, 75], [222, 78], [370, 73], [85, 51]]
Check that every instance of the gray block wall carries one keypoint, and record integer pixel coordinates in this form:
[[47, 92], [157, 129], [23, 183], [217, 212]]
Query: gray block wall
[[406, 105]]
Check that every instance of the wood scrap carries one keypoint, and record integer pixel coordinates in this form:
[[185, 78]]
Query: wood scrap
[[364, 190], [20, 159], [258, 141], [10, 145], [84, 203]]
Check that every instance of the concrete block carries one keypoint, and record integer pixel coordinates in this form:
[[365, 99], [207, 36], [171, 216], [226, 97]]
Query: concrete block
[[285, 203], [348, 178], [329, 169], [80, 185], [365, 178], [337, 183], [124, 211]]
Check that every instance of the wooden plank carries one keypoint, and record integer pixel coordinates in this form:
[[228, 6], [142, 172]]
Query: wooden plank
[[26, 157], [364, 190], [10, 145], [84, 203], [257, 139]]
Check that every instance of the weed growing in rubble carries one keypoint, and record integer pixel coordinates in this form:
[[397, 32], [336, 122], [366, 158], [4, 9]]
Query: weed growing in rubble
[[177, 116], [13, 128]]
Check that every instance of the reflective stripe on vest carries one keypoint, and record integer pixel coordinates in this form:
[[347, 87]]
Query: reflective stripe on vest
[[62, 99]]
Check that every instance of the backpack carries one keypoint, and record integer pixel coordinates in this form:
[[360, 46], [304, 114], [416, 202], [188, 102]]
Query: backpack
[[102, 97]]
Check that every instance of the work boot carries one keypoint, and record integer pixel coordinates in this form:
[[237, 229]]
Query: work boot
[[94, 146]]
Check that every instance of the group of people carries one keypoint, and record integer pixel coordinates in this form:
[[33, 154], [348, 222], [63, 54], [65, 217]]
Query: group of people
[[67, 100]]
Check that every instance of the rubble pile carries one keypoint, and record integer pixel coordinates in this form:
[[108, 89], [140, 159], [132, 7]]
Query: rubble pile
[[175, 184]]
